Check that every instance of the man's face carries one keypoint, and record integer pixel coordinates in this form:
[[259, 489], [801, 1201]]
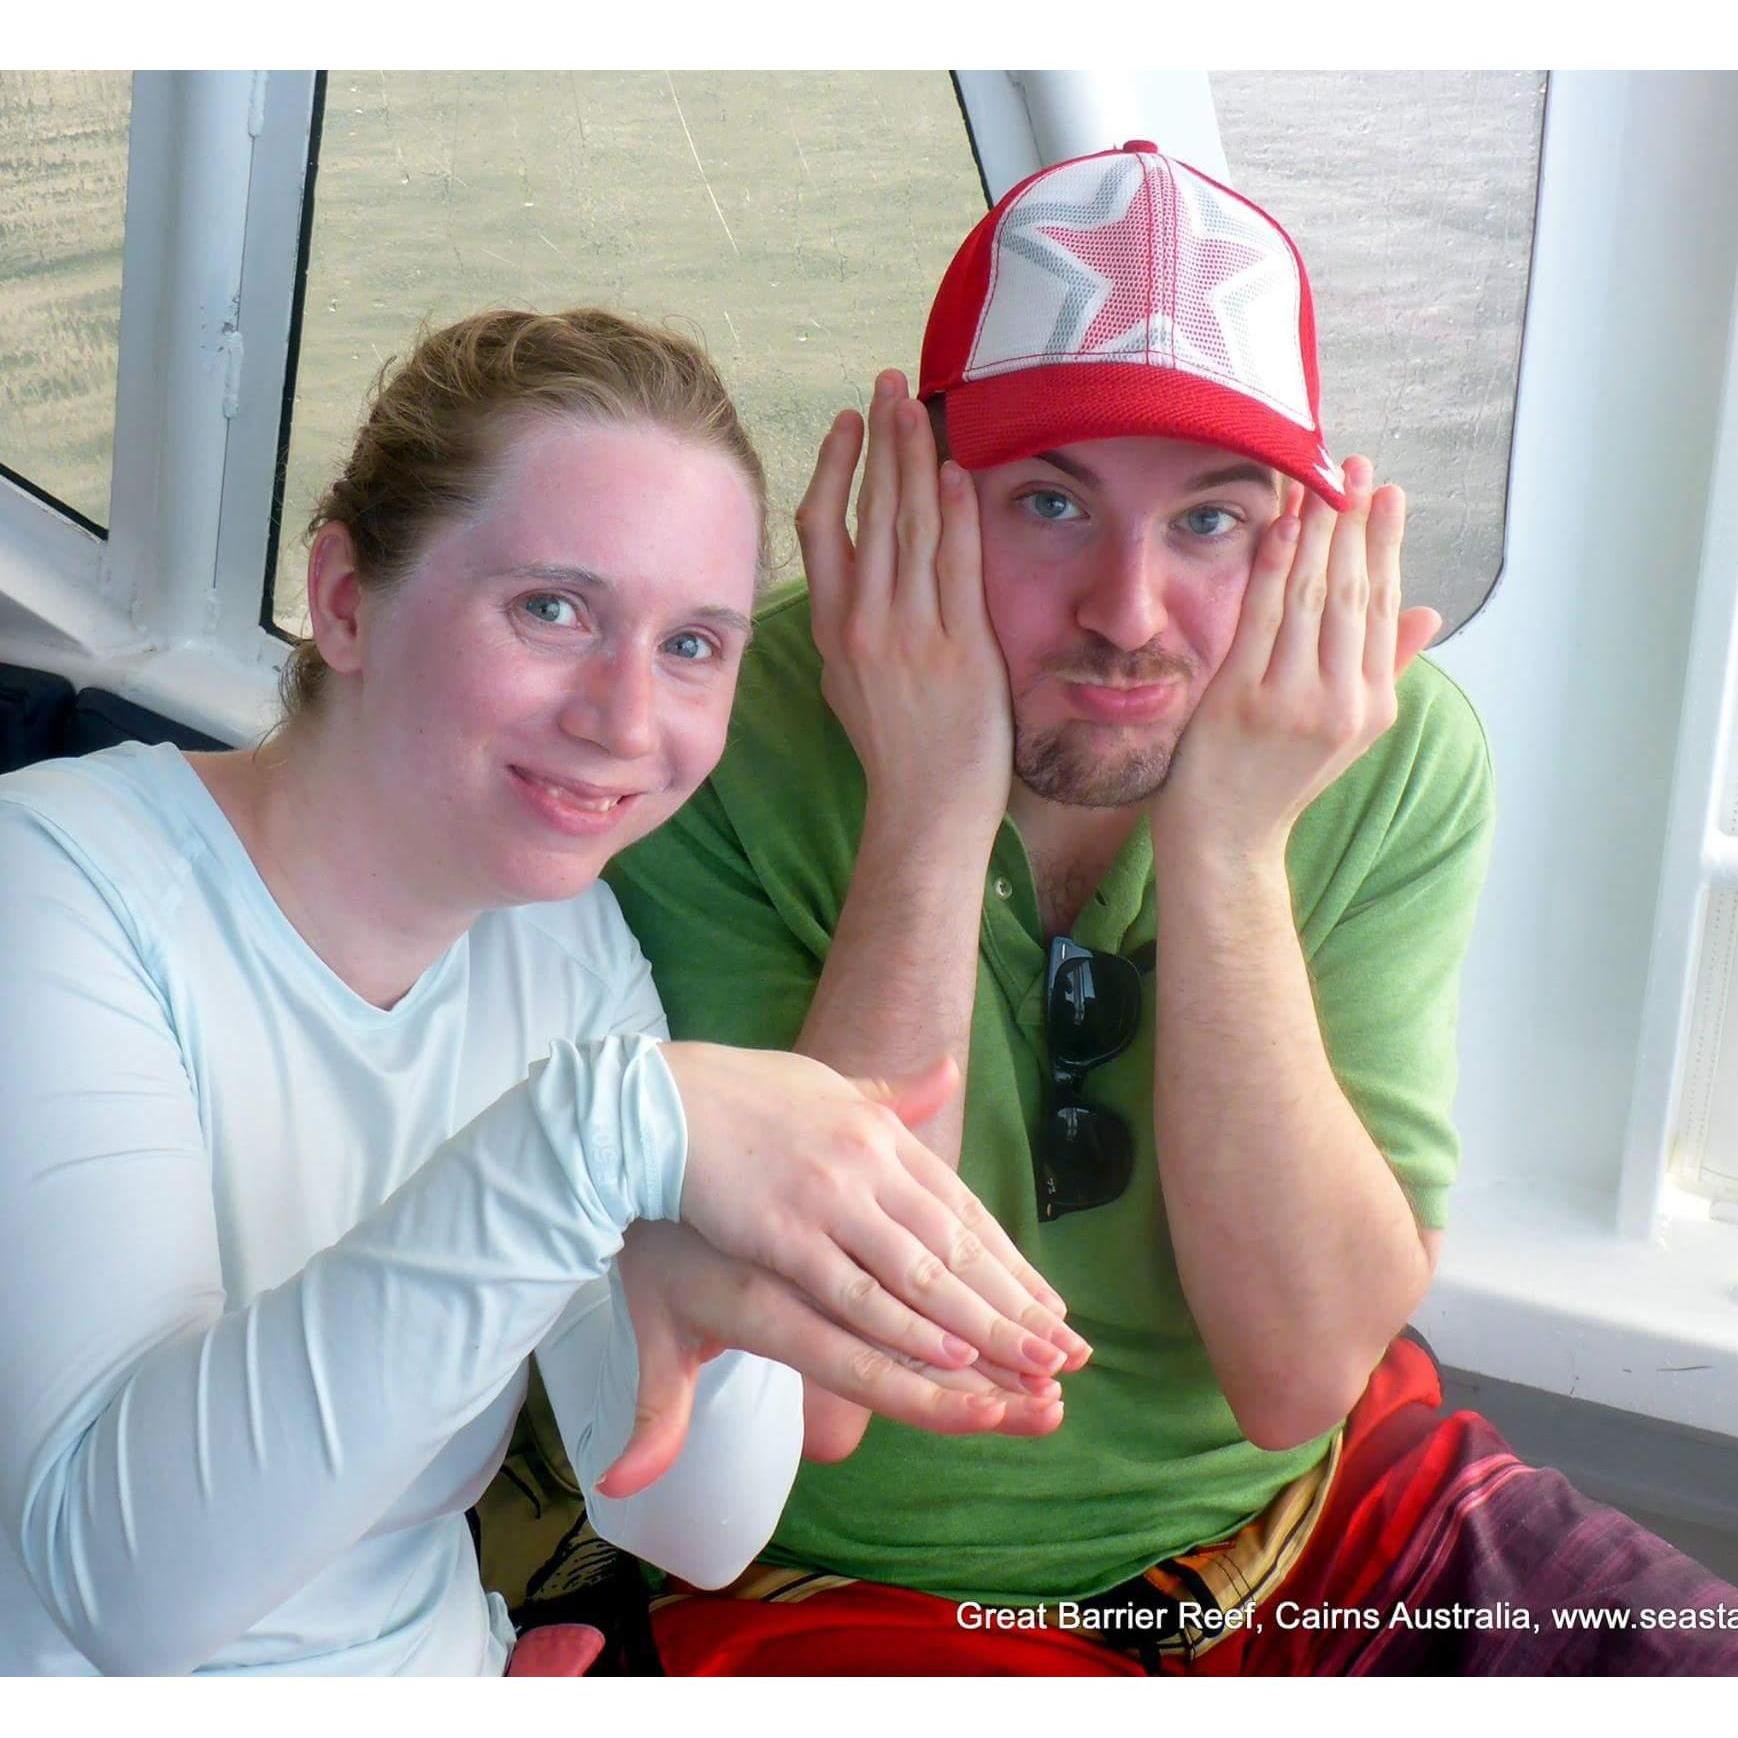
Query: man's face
[[1114, 571]]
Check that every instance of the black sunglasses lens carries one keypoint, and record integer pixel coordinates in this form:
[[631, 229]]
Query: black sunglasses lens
[[1090, 1159], [1095, 1009]]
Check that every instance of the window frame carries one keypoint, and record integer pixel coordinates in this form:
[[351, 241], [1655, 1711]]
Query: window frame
[[166, 607]]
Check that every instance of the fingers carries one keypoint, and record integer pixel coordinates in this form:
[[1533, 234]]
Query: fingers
[[959, 561], [917, 522], [994, 1296], [820, 521], [1297, 645], [915, 1098], [663, 1406], [956, 1214], [1387, 527], [1347, 609], [1263, 606], [878, 500], [1033, 1405], [1417, 628], [941, 1181], [923, 1277], [785, 1327]]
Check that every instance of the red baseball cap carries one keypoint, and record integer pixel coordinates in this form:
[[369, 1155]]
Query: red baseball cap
[[1128, 294]]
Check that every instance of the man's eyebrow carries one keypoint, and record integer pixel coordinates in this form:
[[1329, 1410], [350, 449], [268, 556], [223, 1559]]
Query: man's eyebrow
[[725, 618], [1069, 467], [563, 573], [1248, 472]]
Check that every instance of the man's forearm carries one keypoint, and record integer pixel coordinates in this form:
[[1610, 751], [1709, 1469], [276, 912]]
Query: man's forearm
[[1295, 1245], [896, 993], [901, 974]]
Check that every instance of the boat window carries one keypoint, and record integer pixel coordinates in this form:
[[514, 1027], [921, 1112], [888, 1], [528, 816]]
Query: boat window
[[63, 194], [798, 222], [1410, 196]]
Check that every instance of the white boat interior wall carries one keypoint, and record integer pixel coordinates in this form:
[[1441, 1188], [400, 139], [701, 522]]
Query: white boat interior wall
[[1594, 1250]]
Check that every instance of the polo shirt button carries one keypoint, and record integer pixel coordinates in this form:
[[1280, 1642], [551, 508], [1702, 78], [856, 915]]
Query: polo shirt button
[[1004, 888]]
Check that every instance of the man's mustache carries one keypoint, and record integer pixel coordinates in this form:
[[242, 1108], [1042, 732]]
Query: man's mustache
[[1105, 665]]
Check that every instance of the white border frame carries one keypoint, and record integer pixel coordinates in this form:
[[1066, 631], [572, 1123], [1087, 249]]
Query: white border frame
[[1562, 1271]]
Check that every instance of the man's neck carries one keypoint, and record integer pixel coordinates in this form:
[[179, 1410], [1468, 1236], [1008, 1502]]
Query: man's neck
[[1070, 849]]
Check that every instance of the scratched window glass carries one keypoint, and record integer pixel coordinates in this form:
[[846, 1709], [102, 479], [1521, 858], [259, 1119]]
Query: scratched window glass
[[63, 195], [1418, 232], [796, 221]]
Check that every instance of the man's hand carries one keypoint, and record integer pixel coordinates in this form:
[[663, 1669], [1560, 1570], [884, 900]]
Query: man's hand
[[1308, 684], [912, 669], [689, 1303]]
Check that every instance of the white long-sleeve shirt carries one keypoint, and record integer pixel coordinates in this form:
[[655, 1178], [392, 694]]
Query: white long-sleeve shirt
[[272, 1259]]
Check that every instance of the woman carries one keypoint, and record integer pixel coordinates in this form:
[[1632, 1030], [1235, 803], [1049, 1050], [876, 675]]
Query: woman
[[330, 1080]]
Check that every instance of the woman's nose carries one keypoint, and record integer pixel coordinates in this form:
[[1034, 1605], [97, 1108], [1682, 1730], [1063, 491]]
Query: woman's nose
[[612, 705]]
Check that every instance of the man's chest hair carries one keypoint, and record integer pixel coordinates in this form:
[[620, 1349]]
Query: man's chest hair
[[1063, 886]]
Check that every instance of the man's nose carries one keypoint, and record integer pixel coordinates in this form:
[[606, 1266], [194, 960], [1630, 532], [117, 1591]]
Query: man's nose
[[1125, 603], [611, 704]]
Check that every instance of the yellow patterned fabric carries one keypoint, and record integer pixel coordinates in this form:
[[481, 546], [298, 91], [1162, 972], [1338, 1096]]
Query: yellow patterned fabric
[[1239, 1571]]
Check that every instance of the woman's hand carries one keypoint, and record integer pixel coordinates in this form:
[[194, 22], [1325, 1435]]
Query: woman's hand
[[815, 1177], [912, 668], [1308, 684], [689, 1303]]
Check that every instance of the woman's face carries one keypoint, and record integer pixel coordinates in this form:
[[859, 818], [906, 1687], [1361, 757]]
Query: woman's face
[[554, 677]]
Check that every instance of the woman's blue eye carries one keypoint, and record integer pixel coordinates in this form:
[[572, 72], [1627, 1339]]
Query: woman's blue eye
[[551, 608], [691, 648], [1209, 521], [1052, 504]]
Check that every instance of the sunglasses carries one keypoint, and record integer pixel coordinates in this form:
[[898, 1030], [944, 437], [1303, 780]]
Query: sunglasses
[[1092, 1010]]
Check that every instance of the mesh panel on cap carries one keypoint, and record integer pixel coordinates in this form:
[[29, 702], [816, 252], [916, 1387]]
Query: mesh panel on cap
[[1121, 258]]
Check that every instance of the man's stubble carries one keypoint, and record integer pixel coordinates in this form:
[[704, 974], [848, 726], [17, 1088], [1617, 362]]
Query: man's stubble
[[1082, 764]]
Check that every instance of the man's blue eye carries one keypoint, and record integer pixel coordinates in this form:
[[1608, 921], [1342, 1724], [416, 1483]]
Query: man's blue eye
[[548, 606], [1209, 521], [692, 648], [1051, 504]]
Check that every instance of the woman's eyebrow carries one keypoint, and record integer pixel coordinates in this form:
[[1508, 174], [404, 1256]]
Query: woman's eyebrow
[[558, 572]]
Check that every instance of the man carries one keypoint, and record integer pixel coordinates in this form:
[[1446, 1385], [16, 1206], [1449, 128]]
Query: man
[[1103, 762]]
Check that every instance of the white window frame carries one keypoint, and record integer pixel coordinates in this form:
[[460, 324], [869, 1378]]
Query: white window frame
[[166, 609]]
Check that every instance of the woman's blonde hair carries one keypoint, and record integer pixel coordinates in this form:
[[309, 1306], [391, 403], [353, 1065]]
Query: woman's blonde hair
[[428, 448]]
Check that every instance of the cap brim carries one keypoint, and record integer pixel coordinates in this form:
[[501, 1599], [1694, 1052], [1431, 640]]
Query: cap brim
[[1032, 410]]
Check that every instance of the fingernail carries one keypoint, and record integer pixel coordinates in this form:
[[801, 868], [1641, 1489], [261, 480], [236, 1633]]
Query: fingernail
[[1042, 1352], [959, 1350], [884, 386], [1042, 1387]]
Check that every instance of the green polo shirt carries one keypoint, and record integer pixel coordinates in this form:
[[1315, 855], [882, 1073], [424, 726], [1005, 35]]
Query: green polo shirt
[[735, 900]]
